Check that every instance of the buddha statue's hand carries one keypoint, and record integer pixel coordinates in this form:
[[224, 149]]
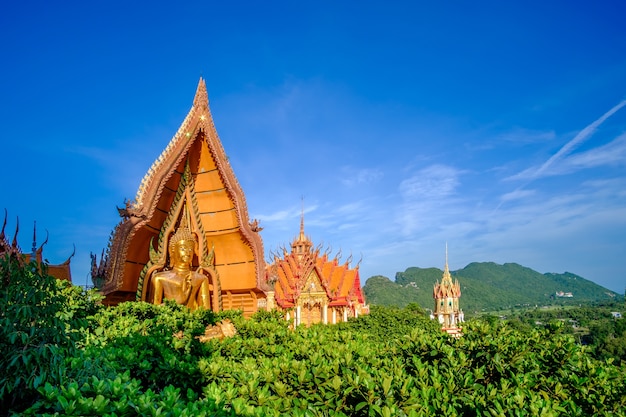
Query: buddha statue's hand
[[187, 285]]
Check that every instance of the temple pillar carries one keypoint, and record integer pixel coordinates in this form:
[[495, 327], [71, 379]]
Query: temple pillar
[[271, 301], [345, 314], [298, 317], [325, 314]]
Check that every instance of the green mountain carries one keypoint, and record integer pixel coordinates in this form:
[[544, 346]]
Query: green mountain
[[486, 286]]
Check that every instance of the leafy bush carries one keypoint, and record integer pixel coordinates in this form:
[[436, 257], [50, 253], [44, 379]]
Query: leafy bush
[[144, 360], [121, 396], [41, 321], [592, 325], [384, 323]]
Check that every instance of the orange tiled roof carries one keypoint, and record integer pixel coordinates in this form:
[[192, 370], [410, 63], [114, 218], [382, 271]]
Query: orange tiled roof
[[341, 283]]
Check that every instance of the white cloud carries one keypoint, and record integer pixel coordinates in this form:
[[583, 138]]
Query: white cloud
[[613, 153], [352, 176], [433, 182], [548, 167], [353, 208], [283, 215], [524, 136], [517, 195]]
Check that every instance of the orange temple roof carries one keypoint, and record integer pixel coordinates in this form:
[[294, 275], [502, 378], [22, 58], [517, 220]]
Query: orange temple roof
[[340, 282]]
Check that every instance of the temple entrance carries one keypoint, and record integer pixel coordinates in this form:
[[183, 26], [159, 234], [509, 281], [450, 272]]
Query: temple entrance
[[312, 313]]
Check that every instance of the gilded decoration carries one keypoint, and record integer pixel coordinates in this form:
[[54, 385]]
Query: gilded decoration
[[176, 280], [312, 292]]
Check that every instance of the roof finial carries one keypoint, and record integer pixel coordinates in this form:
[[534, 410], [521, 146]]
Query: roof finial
[[34, 254], [6, 213], [302, 237], [446, 271], [17, 230], [301, 244], [202, 97]]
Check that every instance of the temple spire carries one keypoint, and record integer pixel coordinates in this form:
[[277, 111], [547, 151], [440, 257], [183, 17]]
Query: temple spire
[[447, 278], [301, 244], [302, 236], [201, 98], [446, 295]]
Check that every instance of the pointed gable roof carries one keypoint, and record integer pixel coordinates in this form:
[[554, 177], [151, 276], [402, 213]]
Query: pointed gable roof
[[220, 208]]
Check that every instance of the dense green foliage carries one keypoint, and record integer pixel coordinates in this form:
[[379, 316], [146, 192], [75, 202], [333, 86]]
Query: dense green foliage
[[594, 326], [40, 322], [143, 360], [486, 286]]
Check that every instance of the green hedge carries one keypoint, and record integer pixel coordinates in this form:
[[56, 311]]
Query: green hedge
[[393, 362]]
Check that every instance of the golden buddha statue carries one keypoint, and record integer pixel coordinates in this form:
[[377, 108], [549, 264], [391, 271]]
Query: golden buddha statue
[[179, 282]]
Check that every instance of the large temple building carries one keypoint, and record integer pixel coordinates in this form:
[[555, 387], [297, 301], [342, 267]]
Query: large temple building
[[446, 295], [60, 271], [186, 235], [315, 287]]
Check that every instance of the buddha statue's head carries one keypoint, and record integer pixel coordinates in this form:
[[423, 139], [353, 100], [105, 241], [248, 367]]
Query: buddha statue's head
[[181, 247]]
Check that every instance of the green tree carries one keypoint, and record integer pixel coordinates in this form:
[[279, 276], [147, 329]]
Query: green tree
[[41, 321]]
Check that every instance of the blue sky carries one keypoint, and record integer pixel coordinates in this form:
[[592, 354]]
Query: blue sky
[[497, 127]]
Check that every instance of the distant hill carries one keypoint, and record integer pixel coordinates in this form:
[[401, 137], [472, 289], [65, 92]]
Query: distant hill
[[486, 286]]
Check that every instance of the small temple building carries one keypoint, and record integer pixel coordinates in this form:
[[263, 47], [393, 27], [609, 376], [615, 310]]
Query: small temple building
[[187, 230], [61, 271], [446, 295], [314, 287]]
